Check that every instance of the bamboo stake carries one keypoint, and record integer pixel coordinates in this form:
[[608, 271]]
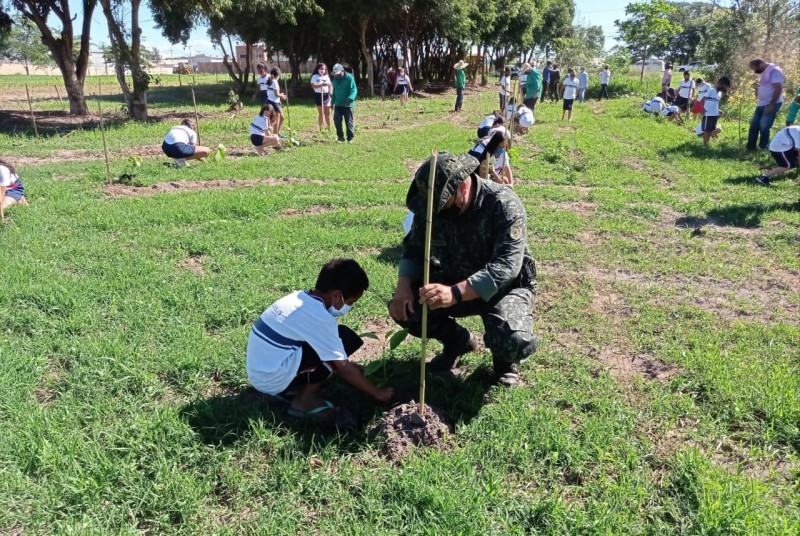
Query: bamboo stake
[[102, 128], [61, 102], [514, 84], [30, 107], [196, 117], [426, 277]]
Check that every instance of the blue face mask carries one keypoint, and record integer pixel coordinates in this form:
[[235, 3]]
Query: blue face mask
[[498, 153], [339, 312]]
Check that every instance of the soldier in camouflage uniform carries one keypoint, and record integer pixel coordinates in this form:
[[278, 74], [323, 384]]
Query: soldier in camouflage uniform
[[480, 265]]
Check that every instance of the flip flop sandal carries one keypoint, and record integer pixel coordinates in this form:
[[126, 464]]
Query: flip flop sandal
[[313, 413]]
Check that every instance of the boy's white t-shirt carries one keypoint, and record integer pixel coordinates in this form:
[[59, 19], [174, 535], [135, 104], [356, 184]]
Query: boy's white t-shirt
[[711, 102], [324, 80], [702, 89], [500, 163], [488, 121], [259, 126], [180, 134], [272, 91], [786, 139], [570, 88], [670, 110], [654, 105], [402, 80], [686, 88], [299, 317], [6, 177], [503, 84], [525, 116], [605, 76], [262, 82]]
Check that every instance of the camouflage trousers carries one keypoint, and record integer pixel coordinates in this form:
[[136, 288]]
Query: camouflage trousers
[[507, 321]]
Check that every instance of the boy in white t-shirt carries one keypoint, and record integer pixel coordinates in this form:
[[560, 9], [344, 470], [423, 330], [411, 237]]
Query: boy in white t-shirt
[[523, 119], [654, 105], [711, 111], [261, 84], [569, 91], [11, 189], [505, 87], [501, 168], [297, 344], [785, 149], [672, 113], [493, 120], [180, 143], [685, 93]]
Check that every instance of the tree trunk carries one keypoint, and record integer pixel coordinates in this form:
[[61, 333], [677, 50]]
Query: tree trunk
[[363, 24], [130, 55], [641, 76]]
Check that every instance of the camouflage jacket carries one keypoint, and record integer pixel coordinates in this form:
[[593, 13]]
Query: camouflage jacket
[[487, 245]]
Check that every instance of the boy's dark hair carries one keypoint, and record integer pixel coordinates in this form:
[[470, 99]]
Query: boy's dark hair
[[549, 62], [725, 81], [275, 72], [498, 121], [698, 80], [687, 73], [188, 123], [266, 108], [6, 163], [260, 66], [512, 100], [342, 274], [347, 68]]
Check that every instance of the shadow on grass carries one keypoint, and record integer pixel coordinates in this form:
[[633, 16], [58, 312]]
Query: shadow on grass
[[390, 256], [748, 216], [224, 420], [696, 149]]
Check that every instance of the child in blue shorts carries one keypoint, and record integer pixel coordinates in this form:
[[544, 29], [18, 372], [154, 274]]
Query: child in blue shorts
[[180, 143], [12, 191]]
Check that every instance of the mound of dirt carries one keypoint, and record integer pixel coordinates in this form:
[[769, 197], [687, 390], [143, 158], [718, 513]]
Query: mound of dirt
[[403, 429]]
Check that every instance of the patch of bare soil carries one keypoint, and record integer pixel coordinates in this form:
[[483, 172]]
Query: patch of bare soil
[[625, 365], [193, 263], [121, 190], [402, 430], [47, 389], [218, 388], [636, 163], [700, 224], [311, 210], [374, 348], [581, 208]]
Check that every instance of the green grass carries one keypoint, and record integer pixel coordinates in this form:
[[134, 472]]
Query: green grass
[[123, 392]]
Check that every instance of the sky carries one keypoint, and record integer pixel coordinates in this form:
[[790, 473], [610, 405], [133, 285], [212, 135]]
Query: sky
[[590, 12]]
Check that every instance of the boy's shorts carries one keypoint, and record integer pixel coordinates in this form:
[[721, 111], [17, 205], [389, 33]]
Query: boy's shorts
[[17, 193], [682, 103], [177, 150], [276, 105], [322, 99], [257, 139], [314, 370], [709, 123], [568, 104], [787, 159]]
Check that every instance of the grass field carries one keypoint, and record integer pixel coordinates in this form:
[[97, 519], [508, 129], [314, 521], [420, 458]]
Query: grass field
[[665, 397]]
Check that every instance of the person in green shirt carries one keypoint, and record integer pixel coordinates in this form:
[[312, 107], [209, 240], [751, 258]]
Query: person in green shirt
[[344, 97], [794, 107], [461, 84], [533, 86]]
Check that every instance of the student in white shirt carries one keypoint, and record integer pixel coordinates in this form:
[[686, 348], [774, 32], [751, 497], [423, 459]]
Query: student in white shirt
[[711, 110], [274, 97], [11, 189], [702, 88], [180, 143], [260, 131], [583, 84], [605, 78], [489, 122], [323, 88], [569, 91], [296, 344], [654, 105], [497, 138], [672, 113], [261, 83], [402, 86], [501, 169], [505, 87], [785, 148], [523, 119], [685, 93]]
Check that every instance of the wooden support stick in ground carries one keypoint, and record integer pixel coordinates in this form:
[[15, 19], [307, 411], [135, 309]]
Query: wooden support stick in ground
[[196, 117], [103, 129], [61, 102], [30, 107], [426, 278], [505, 115]]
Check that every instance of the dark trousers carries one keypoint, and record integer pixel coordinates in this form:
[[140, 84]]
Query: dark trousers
[[346, 113], [313, 370], [761, 123], [603, 91], [531, 103], [554, 91], [507, 322], [459, 98], [502, 102]]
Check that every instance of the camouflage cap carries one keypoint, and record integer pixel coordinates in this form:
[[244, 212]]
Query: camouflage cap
[[451, 170]]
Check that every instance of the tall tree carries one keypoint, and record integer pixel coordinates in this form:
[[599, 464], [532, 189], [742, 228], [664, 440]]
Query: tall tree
[[24, 45], [647, 29], [693, 17], [61, 42], [556, 23]]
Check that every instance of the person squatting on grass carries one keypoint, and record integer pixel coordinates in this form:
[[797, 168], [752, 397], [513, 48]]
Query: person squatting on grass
[[784, 147], [672, 113], [685, 93], [180, 143], [654, 105], [274, 97], [260, 128], [501, 168], [297, 344], [402, 86], [12, 191], [493, 120], [533, 86], [711, 111], [481, 266], [321, 83], [344, 97], [568, 93], [523, 119], [487, 145], [770, 98]]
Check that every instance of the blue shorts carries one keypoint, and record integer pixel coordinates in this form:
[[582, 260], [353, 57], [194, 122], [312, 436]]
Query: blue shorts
[[322, 99], [177, 150], [17, 192], [276, 105], [257, 139]]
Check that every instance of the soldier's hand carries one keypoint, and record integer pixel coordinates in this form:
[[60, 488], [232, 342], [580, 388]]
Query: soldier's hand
[[436, 296], [402, 303]]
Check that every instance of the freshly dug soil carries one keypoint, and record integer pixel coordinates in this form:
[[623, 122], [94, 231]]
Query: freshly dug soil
[[402, 429]]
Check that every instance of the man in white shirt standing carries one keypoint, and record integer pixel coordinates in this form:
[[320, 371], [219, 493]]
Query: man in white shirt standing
[[685, 93], [568, 94], [583, 84], [770, 99], [605, 78]]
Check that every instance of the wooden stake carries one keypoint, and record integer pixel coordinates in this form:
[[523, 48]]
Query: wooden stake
[[61, 102], [103, 129], [30, 107], [514, 84], [196, 117], [426, 277]]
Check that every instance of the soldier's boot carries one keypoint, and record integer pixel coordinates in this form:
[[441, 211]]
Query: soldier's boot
[[461, 342], [506, 373]]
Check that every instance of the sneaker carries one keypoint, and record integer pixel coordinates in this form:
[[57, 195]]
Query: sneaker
[[763, 180], [449, 357], [349, 141], [506, 374], [180, 162]]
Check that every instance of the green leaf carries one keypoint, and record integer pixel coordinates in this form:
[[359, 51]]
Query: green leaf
[[369, 335], [397, 339]]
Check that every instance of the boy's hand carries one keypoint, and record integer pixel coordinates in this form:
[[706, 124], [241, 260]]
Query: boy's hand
[[385, 394]]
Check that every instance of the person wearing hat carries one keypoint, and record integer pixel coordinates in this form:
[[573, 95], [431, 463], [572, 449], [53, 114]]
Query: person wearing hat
[[344, 97], [461, 84], [533, 86], [480, 266]]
